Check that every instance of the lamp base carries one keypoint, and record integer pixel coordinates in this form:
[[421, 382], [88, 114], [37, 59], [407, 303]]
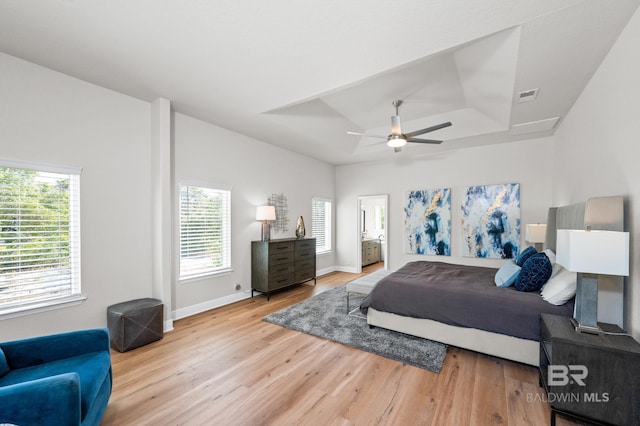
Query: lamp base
[[266, 231], [585, 312], [581, 328]]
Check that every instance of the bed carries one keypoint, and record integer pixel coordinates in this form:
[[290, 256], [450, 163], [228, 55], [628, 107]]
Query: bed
[[460, 305]]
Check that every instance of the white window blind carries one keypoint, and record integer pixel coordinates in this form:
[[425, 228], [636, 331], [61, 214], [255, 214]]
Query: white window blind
[[205, 231], [39, 236], [321, 224]]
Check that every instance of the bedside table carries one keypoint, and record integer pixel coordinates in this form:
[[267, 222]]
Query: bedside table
[[592, 377]]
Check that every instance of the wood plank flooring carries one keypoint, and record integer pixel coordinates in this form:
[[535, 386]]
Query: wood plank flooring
[[227, 367]]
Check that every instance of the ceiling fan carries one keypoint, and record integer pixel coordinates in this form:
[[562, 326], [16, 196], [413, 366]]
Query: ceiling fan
[[397, 139]]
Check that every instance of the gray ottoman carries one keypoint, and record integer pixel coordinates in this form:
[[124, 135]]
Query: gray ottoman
[[135, 323]]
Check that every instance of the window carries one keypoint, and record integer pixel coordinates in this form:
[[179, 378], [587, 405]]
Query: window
[[205, 231], [39, 236], [378, 217], [321, 224]]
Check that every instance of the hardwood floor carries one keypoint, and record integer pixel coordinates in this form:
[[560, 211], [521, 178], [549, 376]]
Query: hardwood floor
[[228, 367]]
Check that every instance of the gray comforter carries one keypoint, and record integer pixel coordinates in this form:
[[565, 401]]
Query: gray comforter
[[464, 296]]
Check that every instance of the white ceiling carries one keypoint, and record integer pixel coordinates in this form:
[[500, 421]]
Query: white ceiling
[[300, 74]]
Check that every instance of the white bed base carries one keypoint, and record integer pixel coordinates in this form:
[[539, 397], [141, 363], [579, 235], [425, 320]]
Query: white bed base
[[500, 345]]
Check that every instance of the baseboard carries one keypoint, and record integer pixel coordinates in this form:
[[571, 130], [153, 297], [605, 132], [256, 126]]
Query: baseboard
[[325, 271], [210, 304], [232, 298], [330, 269], [349, 269]]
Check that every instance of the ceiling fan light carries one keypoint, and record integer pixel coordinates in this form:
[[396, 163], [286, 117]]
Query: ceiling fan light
[[397, 141]]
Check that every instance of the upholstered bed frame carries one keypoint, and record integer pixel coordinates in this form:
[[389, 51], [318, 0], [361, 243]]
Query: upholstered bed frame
[[599, 213]]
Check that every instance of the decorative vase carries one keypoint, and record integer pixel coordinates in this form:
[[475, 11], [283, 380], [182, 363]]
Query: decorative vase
[[300, 231]]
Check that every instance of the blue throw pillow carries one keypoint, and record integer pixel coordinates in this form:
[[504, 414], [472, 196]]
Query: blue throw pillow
[[507, 274], [4, 366], [526, 254], [534, 273]]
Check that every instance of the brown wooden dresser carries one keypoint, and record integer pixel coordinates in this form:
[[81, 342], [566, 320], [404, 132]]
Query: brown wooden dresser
[[281, 263]]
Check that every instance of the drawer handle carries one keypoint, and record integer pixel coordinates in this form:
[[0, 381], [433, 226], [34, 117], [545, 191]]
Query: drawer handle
[[281, 281], [282, 269], [282, 258], [281, 248]]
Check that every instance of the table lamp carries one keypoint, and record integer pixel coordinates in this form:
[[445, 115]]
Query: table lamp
[[265, 214], [590, 253], [535, 233]]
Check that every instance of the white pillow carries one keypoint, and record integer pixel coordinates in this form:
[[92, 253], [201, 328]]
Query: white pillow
[[552, 257], [560, 288]]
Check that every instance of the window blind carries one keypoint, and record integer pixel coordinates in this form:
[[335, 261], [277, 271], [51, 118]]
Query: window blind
[[321, 224], [205, 231], [39, 236]]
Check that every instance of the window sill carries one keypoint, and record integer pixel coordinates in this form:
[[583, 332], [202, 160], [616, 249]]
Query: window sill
[[43, 306], [216, 274], [324, 253]]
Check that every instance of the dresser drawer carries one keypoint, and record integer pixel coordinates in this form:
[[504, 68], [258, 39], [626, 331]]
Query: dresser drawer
[[305, 254], [282, 247], [306, 263], [303, 245], [280, 258], [305, 274], [281, 269], [281, 281]]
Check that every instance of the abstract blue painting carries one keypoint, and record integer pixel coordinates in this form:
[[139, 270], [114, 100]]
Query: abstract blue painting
[[491, 221], [427, 222]]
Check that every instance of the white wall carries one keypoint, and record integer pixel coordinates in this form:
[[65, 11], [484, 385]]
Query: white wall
[[528, 163], [255, 170], [49, 117], [598, 148], [52, 118]]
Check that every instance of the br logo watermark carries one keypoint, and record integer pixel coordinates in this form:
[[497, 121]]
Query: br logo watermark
[[564, 375]]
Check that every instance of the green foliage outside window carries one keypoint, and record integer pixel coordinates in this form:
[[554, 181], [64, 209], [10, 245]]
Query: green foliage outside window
[[204, 230], [34, 221]]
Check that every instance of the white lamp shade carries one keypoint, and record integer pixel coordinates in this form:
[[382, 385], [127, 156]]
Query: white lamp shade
[[266, 213], [535, 233], [594, 252]]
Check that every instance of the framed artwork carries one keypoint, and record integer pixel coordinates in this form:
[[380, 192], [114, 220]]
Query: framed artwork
[[491, 221], [279, 201], [427, 222]]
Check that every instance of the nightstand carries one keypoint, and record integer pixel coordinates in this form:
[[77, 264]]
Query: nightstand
[[591, 377]]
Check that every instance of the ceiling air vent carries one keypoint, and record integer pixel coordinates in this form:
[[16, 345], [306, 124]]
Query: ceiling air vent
[[527, 95]]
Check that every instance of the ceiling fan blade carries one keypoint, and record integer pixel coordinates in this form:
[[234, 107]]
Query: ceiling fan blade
[[367, 135], [396, 129], [428, 129], [423, 140]]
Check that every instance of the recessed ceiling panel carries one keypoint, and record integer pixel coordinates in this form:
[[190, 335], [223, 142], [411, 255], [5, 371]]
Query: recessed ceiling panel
[[429, 86]]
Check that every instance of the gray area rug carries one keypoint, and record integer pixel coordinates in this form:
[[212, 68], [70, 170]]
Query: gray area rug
[[325, 315]]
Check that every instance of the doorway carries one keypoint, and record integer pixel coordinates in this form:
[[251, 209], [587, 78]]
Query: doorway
[[372, 235]]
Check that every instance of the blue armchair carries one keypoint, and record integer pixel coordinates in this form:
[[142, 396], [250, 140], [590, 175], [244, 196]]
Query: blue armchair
[[62, 379]]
